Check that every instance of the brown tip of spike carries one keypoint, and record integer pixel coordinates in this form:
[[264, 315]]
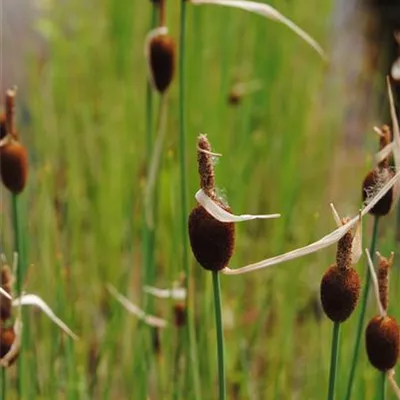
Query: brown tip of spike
[[339, 291], [13, 166], [162, 61], [179, 315], [3, 126], [212, 241], [382, 342]]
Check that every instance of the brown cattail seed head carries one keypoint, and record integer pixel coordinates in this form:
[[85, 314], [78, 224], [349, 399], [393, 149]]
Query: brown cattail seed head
[[7, 338], [382, 342], [162, 61], [6, 283], [13, 166], [179, 315], [340, 290], [212, 241], [206, 166]]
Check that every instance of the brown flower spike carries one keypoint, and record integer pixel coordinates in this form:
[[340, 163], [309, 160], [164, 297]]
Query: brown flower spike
[[13, 156], [340, 285], [382, 336], [212, 241]]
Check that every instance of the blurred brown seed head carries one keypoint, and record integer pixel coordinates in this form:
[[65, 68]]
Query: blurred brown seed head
[[383, 280], [212, 241], [3, 126], [379, 176], [7, 281], [382, 342], [162, 61], [339, 291], [7, 338], [179, 315], [13, 165]]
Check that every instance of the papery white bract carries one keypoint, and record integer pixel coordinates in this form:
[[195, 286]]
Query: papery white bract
[[269, 12], [34, 300], [176, 293], [382, 311], [135, 310], [222, 215], [320, 244]]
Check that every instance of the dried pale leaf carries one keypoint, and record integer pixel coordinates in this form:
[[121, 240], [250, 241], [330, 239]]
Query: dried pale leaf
[[224, 216], [268, 12], [395, 128], [393, 383], [135, 310], [336, 216], [5, 294], [326, 241], [174, 293], [356, 246], [34, 300], [382, 311], [384, 153]]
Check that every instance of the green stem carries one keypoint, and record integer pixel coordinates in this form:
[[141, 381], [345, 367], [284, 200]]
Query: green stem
[[18, 250], [361, 318], [191, 338], [3, 383], [220, 335], [382, 386], [334, 360]]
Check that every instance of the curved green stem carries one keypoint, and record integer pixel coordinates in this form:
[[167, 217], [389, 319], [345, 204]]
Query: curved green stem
[[334, 360], [220, 335], [361, 319]]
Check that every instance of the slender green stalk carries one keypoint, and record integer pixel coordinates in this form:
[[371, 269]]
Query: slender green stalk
[[220, 335], [361, 319], [18, 249], [334, 360], [3, 383], [382, 386], [191, 339]]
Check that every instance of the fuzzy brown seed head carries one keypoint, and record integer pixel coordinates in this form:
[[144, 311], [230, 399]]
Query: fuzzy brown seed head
[[206, 166], [212, 241], [7, 281], [179, 315], [383, 280], [234, 97], [377, 178], [162, 61], [7, 338], [13, 166], [339, 291], [382, 339]]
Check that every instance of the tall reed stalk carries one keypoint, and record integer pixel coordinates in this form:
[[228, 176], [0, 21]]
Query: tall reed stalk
[[334, 360], [191, 339], [220, 335], [361, 319]]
